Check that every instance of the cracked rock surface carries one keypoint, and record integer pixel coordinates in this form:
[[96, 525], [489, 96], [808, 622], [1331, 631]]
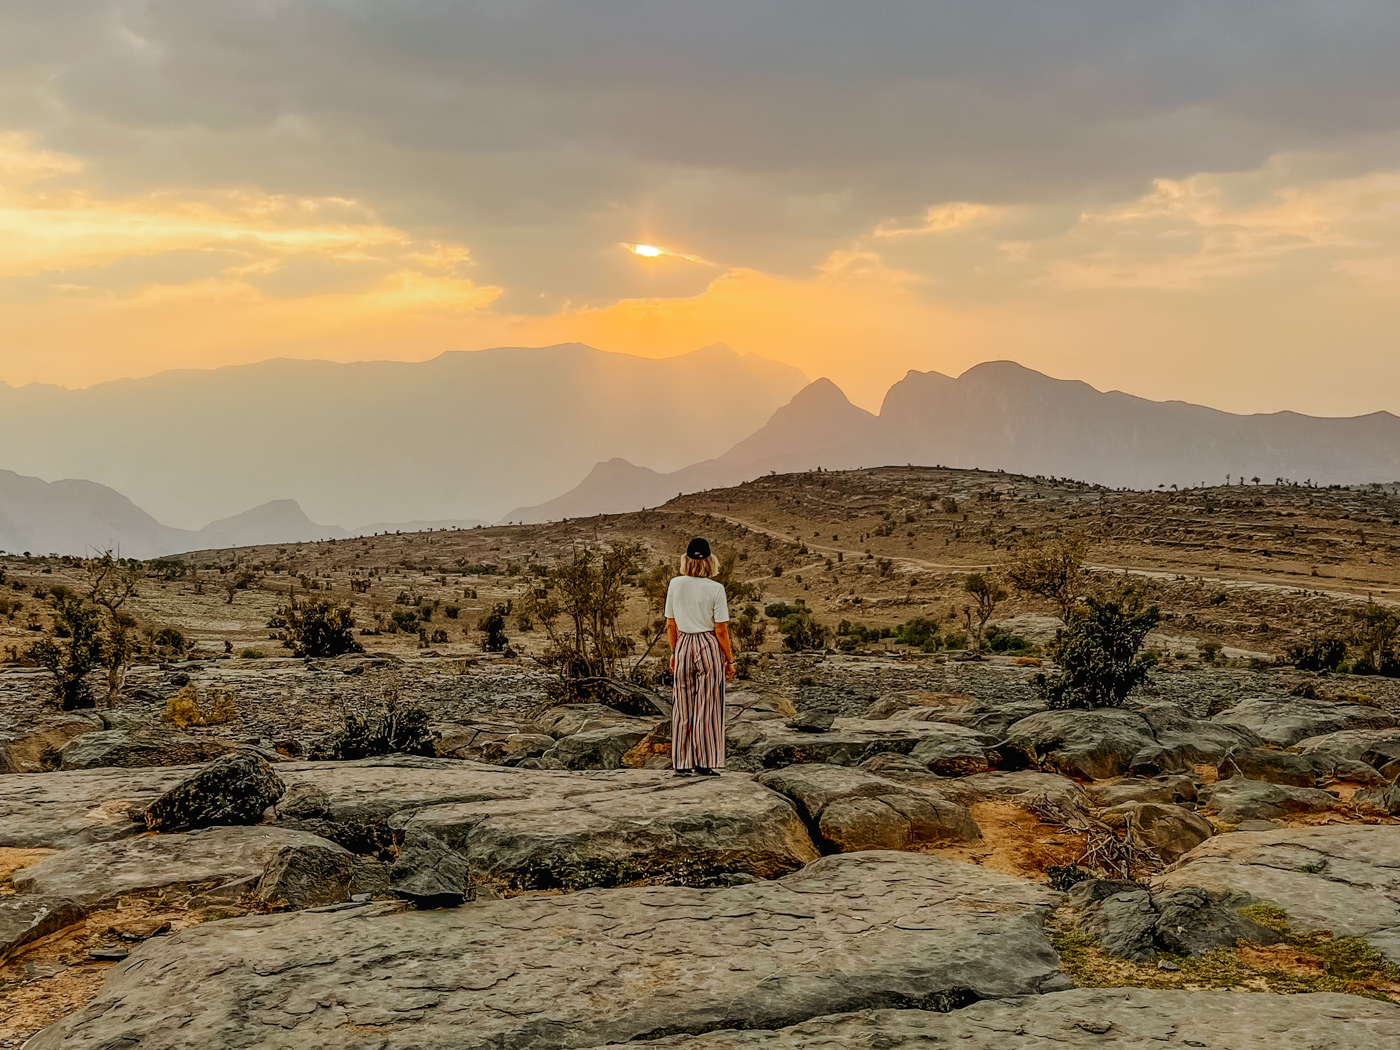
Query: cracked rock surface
[[1344, 878], [649, 827], [104, 870], [850, 810], [1102, 1018], [855, 931]]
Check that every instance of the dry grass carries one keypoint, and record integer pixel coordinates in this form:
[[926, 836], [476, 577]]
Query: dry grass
[[1300, 963]]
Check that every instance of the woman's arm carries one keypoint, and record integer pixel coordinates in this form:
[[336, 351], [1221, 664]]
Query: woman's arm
[[722, 634], [673, 635]]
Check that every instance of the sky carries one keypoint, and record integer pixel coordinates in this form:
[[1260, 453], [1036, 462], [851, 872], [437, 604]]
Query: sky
[[1185, 200]]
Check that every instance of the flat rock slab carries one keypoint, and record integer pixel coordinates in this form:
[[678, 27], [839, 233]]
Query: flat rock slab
[[59, 810], [686, 831], [26, 918], [1102, 1018], [1344, 878], [23, 750], [849, 810], [856, 931], [104, 870], [849, 742], [1240, 799], [1285, 722]]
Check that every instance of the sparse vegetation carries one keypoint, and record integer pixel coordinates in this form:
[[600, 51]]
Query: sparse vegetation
[[1098, 652], [385, 726], [987, 593], [1052, 570], [318, 627], [579, 608], [71, 651], [1320, 654]]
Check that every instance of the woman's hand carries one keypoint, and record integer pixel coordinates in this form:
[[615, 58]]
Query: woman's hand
[[728, 670]]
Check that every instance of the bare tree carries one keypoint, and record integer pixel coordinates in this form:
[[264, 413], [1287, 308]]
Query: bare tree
[[987, 593], [110, 584], [1052, 570]]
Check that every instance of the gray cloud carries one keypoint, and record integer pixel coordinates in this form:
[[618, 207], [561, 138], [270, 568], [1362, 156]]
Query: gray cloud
[[541, 132]]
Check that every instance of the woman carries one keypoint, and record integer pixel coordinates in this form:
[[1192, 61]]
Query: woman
[[697, 624]]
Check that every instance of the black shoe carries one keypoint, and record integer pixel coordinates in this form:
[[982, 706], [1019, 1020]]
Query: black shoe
[[682, 772], [707, 772]]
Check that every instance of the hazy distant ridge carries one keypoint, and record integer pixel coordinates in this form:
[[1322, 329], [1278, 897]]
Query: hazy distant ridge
[[463, 436], [82, 517], [1003, 416]]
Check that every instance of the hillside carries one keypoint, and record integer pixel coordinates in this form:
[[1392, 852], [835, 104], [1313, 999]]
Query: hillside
[[1252, 567]]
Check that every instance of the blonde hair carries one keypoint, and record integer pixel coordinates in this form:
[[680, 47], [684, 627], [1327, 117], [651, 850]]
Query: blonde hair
[[707, 567]]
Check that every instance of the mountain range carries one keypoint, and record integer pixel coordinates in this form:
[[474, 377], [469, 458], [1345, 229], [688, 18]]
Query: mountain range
[[641, 417], [1002, 416], [466, 435], [83, 517]]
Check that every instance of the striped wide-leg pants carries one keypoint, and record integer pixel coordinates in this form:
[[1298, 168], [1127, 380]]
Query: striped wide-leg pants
[[697, 712]]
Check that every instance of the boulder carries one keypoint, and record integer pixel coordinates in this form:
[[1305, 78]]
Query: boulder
[[849, 742], [1340, 877], [1238, 799], [954, 751], [1182, 743], [1021, 787], [597, 748], [307, 876], [430, 874], [1285, 722], [1132, 923], [1086, 745], [849, 810], [993, 717], [1168, 831], [118, 747], [659, 829], [1275, 767], [850, 932], [1170, 789], [571, 719], [59, 810], [174, 863], [32, 749], [27, 918], [1375, 747], [1097, 1018], [236, 789], [813, 720]]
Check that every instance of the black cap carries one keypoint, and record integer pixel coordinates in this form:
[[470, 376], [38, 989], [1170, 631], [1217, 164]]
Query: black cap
[[698, 549]]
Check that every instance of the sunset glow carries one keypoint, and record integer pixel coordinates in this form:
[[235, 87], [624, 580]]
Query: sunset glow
[[1253, 274]]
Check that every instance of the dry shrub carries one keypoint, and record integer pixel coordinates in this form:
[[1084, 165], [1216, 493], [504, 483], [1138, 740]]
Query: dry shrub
[[184, 709], [222, 709]]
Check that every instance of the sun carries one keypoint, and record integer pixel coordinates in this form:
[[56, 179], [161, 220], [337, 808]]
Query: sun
[[648, 250]]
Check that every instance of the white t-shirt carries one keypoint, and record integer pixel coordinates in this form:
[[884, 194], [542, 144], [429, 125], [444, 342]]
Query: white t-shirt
[[696, 604]]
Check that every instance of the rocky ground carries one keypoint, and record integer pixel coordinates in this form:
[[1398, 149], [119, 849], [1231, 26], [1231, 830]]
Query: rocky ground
[[935, 841], [906, 848]]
